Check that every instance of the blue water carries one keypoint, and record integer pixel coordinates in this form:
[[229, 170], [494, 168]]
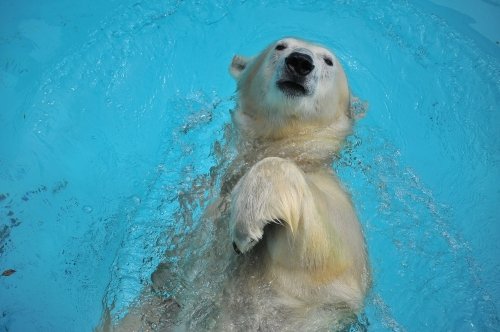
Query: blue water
[[112, 113]]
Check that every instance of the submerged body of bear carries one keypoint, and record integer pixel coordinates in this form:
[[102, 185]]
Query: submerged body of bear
[[304, 264]]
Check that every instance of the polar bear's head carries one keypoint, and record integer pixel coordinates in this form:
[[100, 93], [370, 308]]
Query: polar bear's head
[[291, 80]]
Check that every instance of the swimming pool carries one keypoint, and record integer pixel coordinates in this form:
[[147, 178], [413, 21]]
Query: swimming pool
[[112, 114]]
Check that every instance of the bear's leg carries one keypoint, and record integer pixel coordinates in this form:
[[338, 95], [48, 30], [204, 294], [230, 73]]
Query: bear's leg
[[273, 190]]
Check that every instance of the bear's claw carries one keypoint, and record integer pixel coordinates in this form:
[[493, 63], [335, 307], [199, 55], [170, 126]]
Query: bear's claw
[[235, 247]]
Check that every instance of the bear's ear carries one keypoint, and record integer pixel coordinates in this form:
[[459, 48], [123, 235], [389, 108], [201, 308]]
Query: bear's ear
[[238, 65]]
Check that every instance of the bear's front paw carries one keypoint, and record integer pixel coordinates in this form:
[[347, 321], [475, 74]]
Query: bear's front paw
[[246, 237], [271, 192], [243, 241]]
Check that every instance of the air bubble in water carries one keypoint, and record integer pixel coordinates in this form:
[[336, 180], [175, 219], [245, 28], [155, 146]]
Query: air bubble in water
[[136, 200], [87, 209]]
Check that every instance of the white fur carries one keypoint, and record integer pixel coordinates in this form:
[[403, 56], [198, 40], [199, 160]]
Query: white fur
[[318, 257], [309, 271]]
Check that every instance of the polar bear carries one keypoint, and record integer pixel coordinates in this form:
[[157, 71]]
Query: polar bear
[[301, 262], [292, 117]]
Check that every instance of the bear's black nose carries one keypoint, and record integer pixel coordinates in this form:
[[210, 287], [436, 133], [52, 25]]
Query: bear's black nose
[[299, 63]]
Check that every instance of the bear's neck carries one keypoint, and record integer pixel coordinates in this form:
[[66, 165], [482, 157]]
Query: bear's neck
[[310, 144], [310, 148]]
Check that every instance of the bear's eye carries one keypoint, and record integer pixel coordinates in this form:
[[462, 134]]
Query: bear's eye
[[280, 47], [328, 61]]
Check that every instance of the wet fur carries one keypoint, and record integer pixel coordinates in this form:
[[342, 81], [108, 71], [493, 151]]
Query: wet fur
[[318, 257], [304, 264]]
